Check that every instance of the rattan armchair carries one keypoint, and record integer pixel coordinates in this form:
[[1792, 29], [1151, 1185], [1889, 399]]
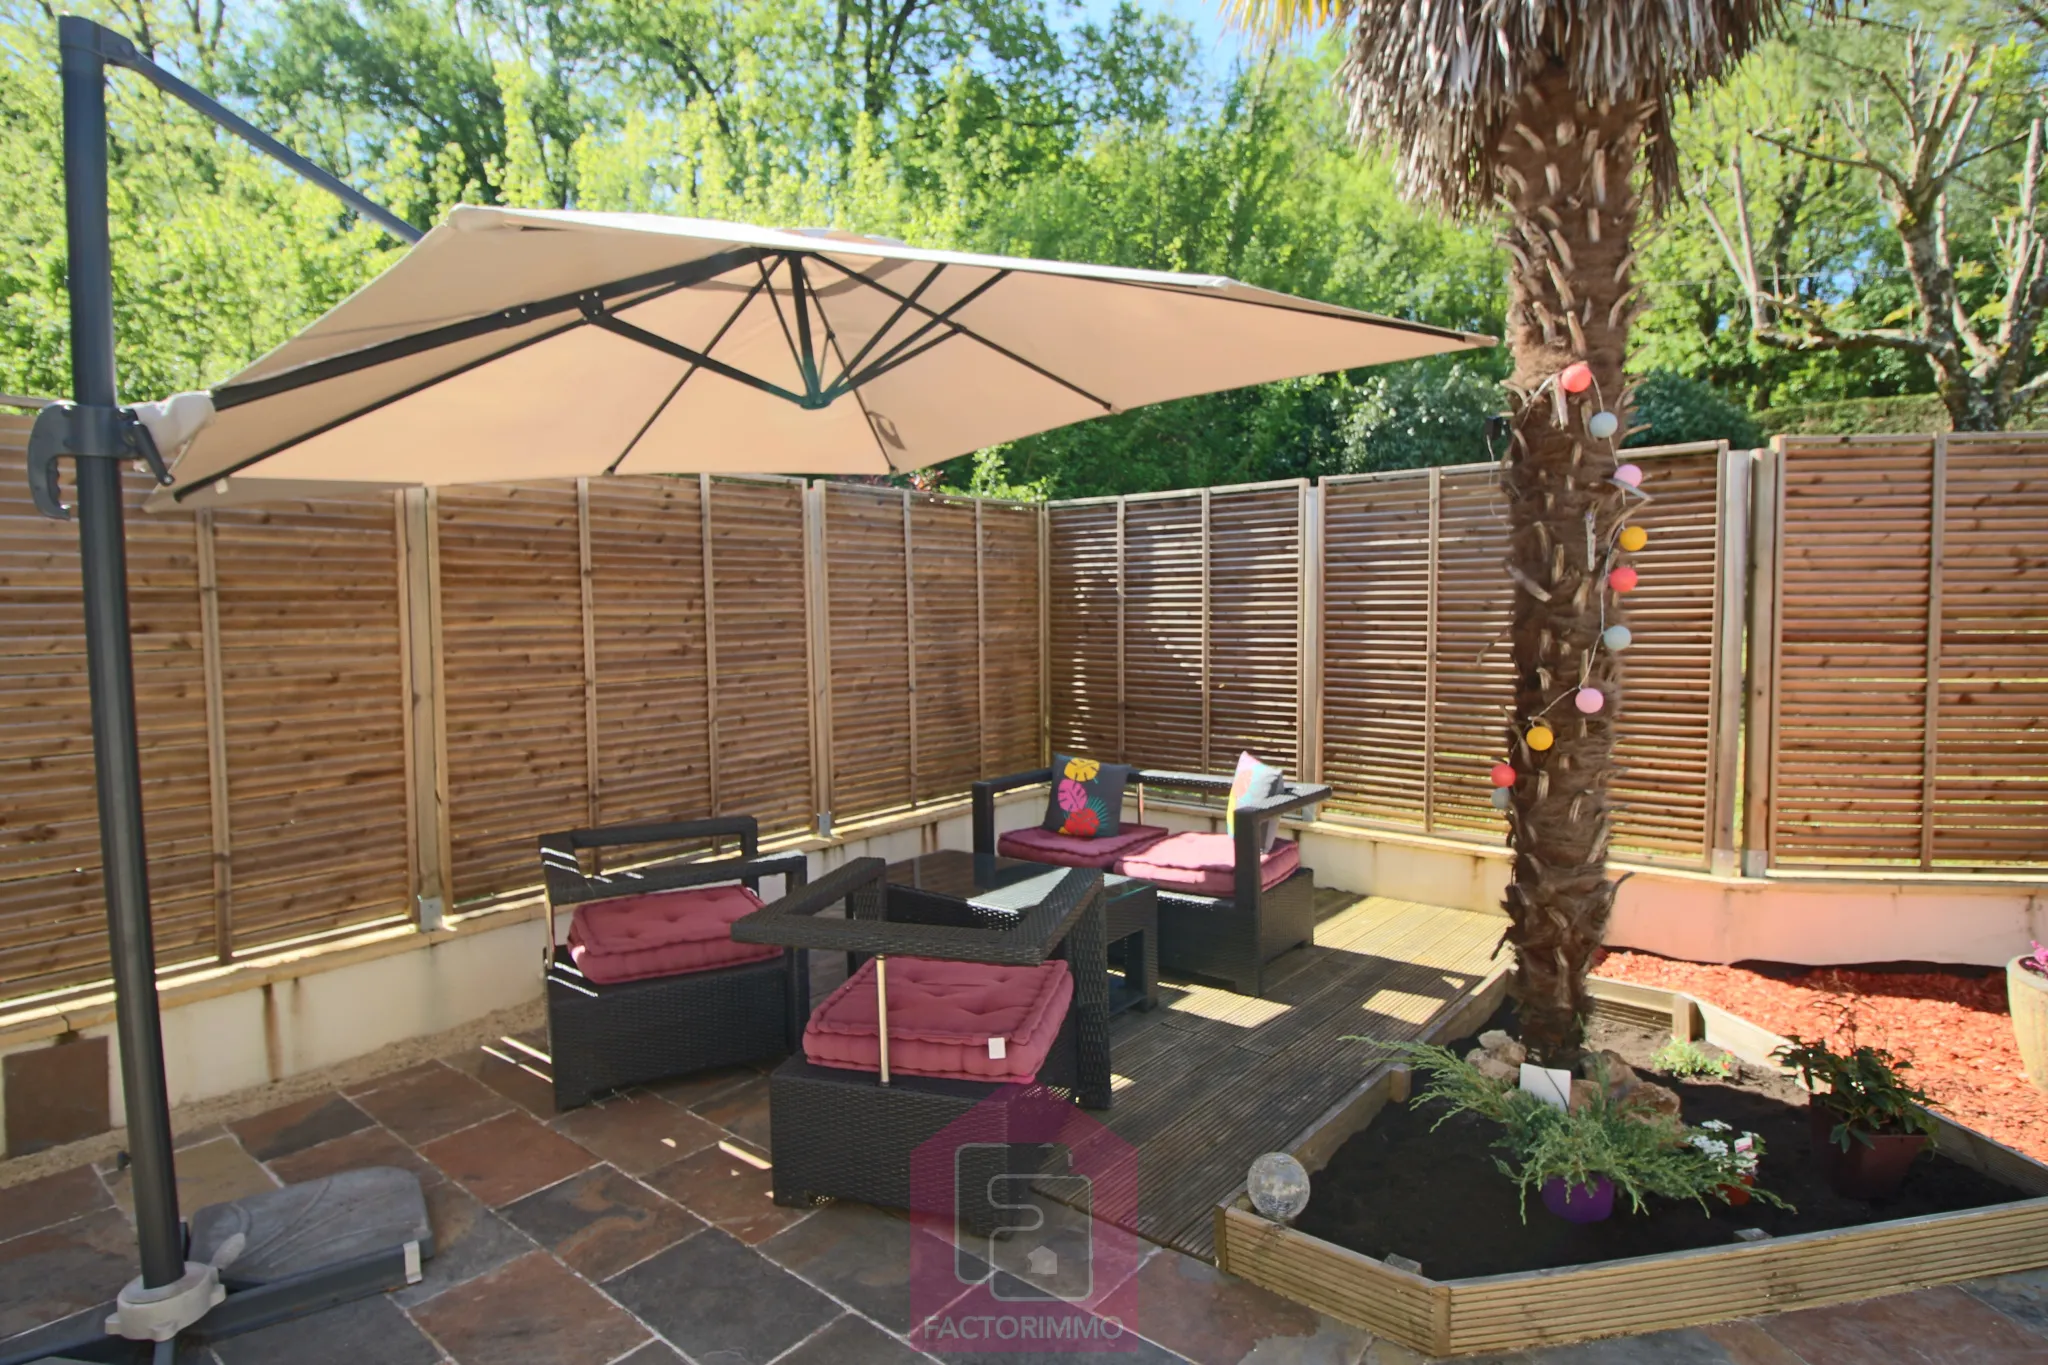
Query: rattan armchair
[[1229, 937], [604, 1037], [843, 1133]]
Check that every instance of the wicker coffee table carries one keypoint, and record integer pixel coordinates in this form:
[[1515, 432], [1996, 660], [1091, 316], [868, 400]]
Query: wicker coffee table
[[1130, 908]]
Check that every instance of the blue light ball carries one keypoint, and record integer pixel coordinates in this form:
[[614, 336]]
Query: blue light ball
[[1617, 638], [1602, 425], [1502, 798]]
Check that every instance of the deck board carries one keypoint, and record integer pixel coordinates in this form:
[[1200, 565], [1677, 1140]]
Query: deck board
[[1211, 1079]]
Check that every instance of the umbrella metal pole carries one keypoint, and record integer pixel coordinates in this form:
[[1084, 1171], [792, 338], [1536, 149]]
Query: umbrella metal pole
[[110, 665]]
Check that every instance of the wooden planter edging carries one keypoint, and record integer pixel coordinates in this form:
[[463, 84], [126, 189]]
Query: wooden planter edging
[[1645, 1293]]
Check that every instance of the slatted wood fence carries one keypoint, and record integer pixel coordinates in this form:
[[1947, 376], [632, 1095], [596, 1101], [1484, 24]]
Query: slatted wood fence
[[351, 704]]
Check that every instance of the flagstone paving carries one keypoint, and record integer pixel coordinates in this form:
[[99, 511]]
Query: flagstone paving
[[640, 1231]]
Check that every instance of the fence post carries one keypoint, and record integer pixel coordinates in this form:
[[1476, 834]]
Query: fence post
[[910, 645], [216, 741], [1208, 611], [1930, 739], [1766, 584], [818, 652], [1309, 687], [980, 651], [584, 577], [1731, 564], [426, 722], [1436, 507], [704, 537], [1044, 633], [1121, 756]]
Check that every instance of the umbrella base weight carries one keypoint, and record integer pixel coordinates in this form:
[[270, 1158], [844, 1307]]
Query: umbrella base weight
[[302, 1248]]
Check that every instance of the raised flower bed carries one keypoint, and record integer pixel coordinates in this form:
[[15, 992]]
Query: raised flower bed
[[1571, 1297]]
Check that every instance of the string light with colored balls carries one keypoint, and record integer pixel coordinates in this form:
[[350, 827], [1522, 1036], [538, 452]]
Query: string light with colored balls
[[1602, 425], [1633, 538], [1623, 578]]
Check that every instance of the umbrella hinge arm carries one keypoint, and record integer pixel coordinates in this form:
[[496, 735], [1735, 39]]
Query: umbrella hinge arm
[[85, 432]]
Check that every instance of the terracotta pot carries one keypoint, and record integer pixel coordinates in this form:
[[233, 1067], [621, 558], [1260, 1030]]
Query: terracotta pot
[[1738, 1195], [1875, 1165], [2028, 992], [1579, 1203]]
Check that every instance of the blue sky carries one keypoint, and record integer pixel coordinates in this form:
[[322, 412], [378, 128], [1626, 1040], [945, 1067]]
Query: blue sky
[[1219, 45]]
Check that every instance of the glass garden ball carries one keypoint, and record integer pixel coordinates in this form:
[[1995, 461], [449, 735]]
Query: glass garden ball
[[1278, 1187], [1602, 425], [1617, 638]]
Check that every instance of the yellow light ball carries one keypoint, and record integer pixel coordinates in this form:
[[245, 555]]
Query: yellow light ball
[[1634, 538], [1540, 737]]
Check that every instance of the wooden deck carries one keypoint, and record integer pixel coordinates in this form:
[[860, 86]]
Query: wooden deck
[[1211, 1079]]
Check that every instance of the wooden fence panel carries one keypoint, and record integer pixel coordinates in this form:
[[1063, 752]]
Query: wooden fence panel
[[1083, 628], [947, 645], [1911, 652], [873, 750], [1011, 657], [763, 692], [1165, 629], [1255, 626], [313, 696], [1471, 674], [648, 645], [53, 929], [513, 675]]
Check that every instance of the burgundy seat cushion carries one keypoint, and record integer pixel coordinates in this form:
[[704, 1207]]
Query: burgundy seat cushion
[[941, 1017], [663, 933], [1043, 846], [1206, 864]]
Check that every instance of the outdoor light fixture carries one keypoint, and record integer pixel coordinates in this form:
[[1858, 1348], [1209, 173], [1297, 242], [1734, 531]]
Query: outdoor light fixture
[[1278, 1186], [304, 1247]]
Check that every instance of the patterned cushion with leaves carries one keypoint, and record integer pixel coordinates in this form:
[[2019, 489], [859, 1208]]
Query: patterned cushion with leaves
[[1087, 797]]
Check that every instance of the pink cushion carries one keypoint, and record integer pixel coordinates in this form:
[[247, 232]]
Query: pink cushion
[[1206, 864], [663, 933], [941, 1016], [1043, 846]]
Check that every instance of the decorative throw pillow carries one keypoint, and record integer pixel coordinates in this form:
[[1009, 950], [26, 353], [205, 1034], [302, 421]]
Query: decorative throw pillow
[[1254, 781], [1087, 797]]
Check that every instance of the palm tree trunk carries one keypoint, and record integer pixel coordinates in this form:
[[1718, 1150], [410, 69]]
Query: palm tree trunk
[[1565, 182]]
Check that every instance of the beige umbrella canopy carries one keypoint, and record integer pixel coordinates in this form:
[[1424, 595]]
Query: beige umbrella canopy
[[525, 344]]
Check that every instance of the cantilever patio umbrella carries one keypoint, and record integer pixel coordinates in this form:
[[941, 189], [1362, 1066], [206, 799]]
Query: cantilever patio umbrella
[[520, 344], [515, 344]]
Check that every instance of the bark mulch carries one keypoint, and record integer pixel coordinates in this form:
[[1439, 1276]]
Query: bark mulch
[[1953, 1026]]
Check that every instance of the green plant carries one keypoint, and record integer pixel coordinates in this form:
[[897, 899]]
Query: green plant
[[1864, 1089], [1673, 409], [1642, 1152], [1681, 1058]]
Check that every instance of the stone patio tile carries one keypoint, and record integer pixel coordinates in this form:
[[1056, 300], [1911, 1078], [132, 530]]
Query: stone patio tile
[[507, 1158], [995, 1322], [371, 1146], [54, 1273], [717, 1299], [1195, 1309], [211, 1173], [530, 1312], [391, 1078], [601, 1222], [469, 1240], [1747, 1343], [516, 1075], [372, 1331], [1928, 1327], [685, 1092], [853, 1341], [37, 1204], [727, 1193], [2023, 1297], [1686, 1346], [428, 1104], [741, 1111], [637, 1133], [656, 1352], [860, 1256], [294, 1127]]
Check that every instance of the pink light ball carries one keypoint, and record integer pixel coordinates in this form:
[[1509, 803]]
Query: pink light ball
[[1589, 701], [1623, 579], [1576, 377], [1630, 474], [1503, 774]]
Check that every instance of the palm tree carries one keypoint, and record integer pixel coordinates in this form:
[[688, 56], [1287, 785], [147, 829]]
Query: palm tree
[[1554, 117]]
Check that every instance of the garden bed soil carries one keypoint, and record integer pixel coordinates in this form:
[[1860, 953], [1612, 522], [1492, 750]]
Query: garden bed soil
[[1407, 1187]]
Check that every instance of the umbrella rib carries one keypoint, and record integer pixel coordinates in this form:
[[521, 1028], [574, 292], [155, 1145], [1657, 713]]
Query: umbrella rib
[[789, 261], [807, 363], [1370, 319], [180, 494], [335, 367], [711, 346], [620, 327], [881, 447], [946, 319], [847, 367]]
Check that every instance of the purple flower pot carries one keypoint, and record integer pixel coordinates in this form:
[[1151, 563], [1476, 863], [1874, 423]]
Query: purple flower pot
[[1579, 1203]]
